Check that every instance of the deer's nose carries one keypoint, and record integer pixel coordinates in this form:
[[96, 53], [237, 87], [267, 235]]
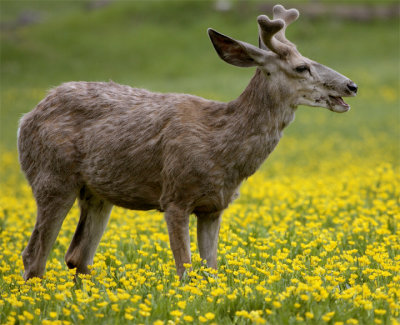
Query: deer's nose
[[352, 87]]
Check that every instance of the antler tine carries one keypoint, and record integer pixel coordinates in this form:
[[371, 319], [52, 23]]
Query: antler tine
[[288, 16], [267, 29]]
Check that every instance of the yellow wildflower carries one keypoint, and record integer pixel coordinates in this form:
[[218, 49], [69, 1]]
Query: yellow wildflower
[[188, 318], [176, 313], [380, 311], [309, 315], [328, 316]]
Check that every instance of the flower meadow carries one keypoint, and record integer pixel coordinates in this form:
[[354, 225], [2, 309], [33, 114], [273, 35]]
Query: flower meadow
[[314, 238]]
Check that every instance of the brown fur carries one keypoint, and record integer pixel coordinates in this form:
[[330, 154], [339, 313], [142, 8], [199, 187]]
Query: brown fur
[[108, 144]]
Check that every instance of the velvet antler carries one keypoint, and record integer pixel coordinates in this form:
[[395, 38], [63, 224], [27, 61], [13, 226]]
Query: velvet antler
[[267, 29], [288, 16]]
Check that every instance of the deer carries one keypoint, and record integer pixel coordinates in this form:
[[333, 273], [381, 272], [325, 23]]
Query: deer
[[107, 144]]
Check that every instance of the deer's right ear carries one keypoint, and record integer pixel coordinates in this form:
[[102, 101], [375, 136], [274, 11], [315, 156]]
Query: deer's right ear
[[235, 52]]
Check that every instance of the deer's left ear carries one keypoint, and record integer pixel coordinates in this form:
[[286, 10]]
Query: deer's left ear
[[235, 52]]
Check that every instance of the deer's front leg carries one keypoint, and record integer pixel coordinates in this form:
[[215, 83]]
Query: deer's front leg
[[207, 236], [178, 229]]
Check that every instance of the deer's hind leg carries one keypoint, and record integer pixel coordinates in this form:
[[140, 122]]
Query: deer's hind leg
[[53, 203], [93, 220], [208, 225]]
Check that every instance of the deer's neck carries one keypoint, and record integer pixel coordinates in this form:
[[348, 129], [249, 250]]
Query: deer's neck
[[263, 106], [261, 112]]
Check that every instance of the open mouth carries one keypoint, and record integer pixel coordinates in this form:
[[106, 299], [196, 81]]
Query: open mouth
[[339, 101]]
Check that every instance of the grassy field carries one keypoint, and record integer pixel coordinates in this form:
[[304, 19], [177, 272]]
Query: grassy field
[[314, 237]]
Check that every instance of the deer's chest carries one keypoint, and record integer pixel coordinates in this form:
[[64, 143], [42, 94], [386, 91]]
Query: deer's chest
[[257, 147], [255, 150]]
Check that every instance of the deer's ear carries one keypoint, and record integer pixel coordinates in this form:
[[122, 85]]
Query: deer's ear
[[236, 52]]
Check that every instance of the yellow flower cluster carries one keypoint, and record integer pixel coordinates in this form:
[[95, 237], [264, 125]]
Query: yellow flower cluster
[[306, 242]]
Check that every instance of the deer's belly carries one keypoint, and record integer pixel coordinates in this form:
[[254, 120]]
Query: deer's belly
[[125, 182], [132, 196]]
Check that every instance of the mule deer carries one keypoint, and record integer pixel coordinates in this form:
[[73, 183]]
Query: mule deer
[[108, 144]]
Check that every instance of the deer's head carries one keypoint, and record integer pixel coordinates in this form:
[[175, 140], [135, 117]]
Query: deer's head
[[306, 82]]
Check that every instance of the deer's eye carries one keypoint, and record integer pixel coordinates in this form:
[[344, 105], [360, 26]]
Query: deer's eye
[[302, 68]]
